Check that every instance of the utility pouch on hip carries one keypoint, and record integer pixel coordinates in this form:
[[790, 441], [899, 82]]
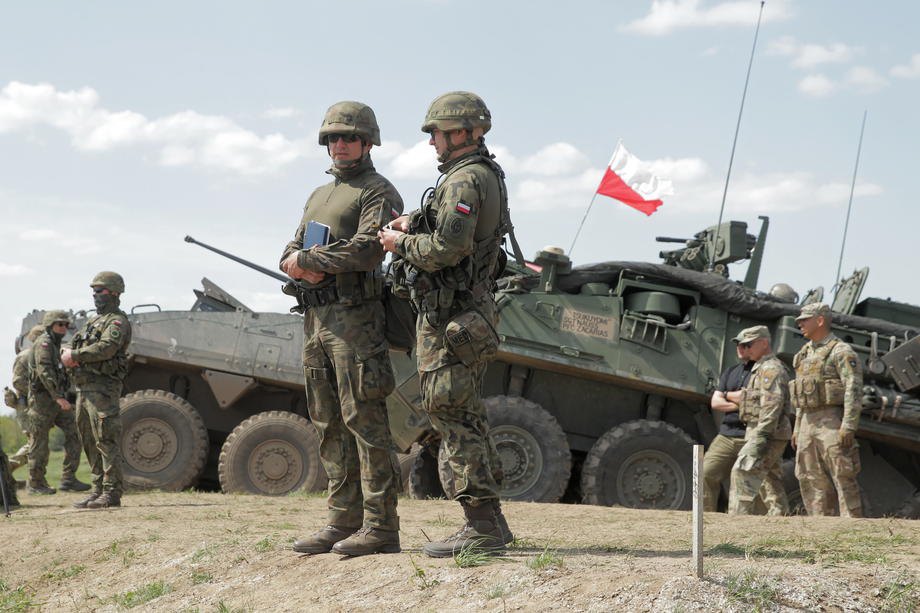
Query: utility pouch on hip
[[470, 338], [833, 392], [375, 374]]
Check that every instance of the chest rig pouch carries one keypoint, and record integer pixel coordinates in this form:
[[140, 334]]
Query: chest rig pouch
[[816, 387]]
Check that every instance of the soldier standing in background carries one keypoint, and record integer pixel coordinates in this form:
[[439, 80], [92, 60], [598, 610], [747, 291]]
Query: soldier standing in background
[[724, 448], [18, 398], [827, 395], [48, 406], [99, 360], [346, 362], [453, 249], [762, 407]]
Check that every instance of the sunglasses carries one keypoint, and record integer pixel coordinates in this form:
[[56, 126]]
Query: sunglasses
[[745, 345], [100, 290], [348, 138]]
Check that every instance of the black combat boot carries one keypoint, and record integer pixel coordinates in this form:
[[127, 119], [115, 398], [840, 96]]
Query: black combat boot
[[368, 540], [40, 487], [105, 501], [480, 534], [322, 541], [507, 537], [72, 484], [82, 504]]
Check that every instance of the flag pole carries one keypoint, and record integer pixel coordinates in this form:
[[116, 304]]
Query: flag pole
[[582, 224], [731, 158], [846, 225]]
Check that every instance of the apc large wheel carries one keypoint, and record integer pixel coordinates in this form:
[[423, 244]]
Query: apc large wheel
[[532, 448], [640, 464], [271, 453], [164, 442]]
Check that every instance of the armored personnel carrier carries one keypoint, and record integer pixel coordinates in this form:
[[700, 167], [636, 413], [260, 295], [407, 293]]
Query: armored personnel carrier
[[600, 387]]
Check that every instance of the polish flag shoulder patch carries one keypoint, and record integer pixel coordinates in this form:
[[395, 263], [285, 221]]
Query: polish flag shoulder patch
[[463, 208]]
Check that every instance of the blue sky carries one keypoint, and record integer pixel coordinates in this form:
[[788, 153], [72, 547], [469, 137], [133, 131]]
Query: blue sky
[[123, 128]]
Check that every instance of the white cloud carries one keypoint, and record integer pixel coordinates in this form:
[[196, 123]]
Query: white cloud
[[554, 160], [416, 162], [838, 193], [911, 70], [816, 85], [865, 79], [666, 16], [809, 55], [186, 138], [38, 234], [710, 51], [14, 270]]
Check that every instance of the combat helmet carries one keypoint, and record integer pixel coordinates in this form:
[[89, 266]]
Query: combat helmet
[[784, 293], [112, 281], [457, 111], [350, 117], [53, 317]]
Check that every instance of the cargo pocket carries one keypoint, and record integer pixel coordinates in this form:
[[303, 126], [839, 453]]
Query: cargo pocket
[[470, 338], [375, 374]]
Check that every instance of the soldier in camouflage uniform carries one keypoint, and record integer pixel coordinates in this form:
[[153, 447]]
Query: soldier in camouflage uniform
[[346, 362], [8, 479], [452, 251], [18, 397], [724, 448], [48, 406], [762, 407], [827, 396], [99, 359]]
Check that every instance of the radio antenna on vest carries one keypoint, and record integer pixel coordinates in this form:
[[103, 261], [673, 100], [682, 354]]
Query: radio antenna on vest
[[846, 224], [731, 158]]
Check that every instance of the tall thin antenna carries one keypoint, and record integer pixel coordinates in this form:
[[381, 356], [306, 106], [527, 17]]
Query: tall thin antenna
[[846, 225], [582, 224], [731, 158]]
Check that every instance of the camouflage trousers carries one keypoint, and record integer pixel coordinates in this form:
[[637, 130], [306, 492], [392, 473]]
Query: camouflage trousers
[[823, 466], [750, 475], [44, 413], [717, 467], [7, 473], [99, 425], [349, 376], [451, 393], [21, 456]]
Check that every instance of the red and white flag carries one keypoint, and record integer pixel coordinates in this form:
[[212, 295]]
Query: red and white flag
[[628, 179]]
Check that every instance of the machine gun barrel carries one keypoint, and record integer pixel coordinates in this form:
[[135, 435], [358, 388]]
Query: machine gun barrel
[[262, 269], [671, 239]]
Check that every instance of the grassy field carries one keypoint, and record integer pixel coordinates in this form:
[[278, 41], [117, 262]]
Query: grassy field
[[53, 474]]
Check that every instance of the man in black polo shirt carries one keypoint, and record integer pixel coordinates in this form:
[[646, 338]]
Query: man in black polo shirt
[[724, 448]]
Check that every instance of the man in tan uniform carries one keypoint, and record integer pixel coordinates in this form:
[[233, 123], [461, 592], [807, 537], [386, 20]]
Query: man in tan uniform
[[827, 395]]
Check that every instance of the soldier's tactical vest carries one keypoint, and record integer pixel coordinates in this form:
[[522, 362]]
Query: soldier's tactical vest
[[441, 294], [115, 368], [21, 372], [817, 384], [749, 406], [60, 377]]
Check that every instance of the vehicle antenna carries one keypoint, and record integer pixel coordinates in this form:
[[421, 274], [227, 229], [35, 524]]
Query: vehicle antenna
[[731, 158], [846, 224]]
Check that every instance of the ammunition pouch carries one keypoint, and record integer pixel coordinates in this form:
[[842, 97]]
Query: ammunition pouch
[[749, 407], [810, 393], [470, 338]]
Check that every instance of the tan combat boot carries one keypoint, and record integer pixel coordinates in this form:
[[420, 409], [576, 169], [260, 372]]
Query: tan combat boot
[[82, 504], [322, 541], [480, 534], [368, 540], [106, 500]]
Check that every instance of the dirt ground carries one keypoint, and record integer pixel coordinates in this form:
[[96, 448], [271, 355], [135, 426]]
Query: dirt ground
[[215, 552]]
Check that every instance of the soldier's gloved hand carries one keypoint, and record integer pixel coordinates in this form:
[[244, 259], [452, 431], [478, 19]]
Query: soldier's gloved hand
[[10, 398], [846, 438]]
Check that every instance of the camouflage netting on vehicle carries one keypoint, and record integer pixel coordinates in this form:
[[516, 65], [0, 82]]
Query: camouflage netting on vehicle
[[715, 291]]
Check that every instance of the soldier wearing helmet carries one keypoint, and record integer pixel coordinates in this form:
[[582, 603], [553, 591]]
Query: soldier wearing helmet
[[346, 363], [452, 248], [99, 359], [17, 398], [49, 406]]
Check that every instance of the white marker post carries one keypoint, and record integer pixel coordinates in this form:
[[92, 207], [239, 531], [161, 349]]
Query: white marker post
[[698, 509]]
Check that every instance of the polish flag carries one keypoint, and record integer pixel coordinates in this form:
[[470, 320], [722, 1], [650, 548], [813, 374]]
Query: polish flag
[[628, 179]]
